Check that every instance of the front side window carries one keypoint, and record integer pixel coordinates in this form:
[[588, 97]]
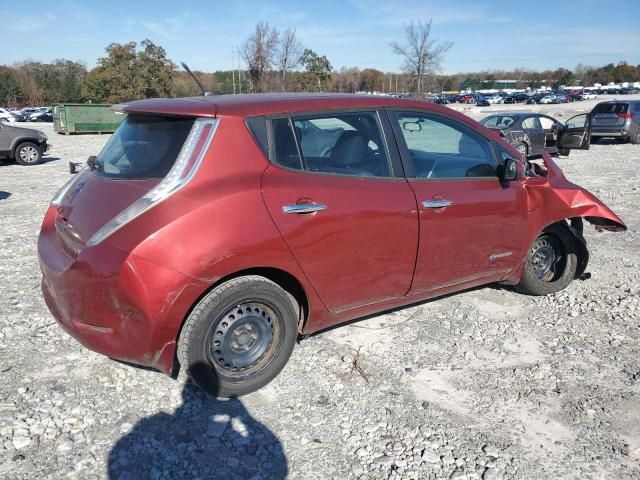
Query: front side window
[[579, 121], [345, 144], [443, 148]]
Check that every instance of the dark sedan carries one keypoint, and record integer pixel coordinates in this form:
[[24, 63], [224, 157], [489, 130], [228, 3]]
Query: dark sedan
[[533, 133]]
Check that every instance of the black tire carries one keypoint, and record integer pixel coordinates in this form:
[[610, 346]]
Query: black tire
[[28, 153], [251, 321], [544, 274], [635, 139], [523, 149]]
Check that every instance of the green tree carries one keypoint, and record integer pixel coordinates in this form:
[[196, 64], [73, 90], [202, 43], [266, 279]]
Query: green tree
[[10, 92], [317, 67], [127, 74]]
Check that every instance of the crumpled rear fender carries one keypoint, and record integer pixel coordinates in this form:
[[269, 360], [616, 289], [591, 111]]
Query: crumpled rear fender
[[553, 198]]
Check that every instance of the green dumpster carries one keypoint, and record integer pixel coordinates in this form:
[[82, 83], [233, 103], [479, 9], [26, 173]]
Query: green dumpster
[[85, 117]]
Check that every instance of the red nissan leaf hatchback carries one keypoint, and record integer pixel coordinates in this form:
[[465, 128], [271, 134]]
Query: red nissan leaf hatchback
[[210, 232]]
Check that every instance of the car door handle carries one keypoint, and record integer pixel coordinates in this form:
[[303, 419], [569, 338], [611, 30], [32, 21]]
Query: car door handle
[[439, 203], [304, 208]]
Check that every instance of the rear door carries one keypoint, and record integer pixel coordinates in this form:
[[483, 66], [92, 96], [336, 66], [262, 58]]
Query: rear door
[[345, 210], [576, 133], [533, 128], [470, 224]]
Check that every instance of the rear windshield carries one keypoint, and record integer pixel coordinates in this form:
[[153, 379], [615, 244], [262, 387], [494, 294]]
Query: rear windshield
[[611, 108], [143, 147]]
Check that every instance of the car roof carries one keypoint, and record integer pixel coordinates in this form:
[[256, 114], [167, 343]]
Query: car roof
[[255, 104]]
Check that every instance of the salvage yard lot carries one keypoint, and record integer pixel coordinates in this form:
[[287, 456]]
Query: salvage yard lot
[[482, 384]]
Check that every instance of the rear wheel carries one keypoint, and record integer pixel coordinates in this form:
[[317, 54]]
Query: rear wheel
[[239, 336], [28, 153], [635, 139], [550, 264]]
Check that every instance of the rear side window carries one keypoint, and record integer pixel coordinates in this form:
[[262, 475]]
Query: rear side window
[[498, 121], [143, 147], [442, 148], [531, 123], [344, 144], [611, 108]]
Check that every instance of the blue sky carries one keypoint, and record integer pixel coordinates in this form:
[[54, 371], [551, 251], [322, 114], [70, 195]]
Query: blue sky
[[486, 34]]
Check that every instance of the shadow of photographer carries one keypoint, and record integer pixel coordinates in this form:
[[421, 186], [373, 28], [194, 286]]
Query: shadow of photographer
[[204, 438]]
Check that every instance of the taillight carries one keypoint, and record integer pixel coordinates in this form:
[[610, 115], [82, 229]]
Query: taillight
[[625, 115], [181, 173]]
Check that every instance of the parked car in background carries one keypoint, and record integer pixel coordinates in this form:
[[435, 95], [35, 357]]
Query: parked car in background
[[145, 258], [495, 99], [587, 95], [617, 119], [23, 145], [466, 98], [7, 116], [534, 133], [516, 98], [482, 101], [43, 115], [536, 97]]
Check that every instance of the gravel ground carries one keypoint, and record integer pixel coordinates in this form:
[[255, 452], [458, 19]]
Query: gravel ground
[[484, 384]]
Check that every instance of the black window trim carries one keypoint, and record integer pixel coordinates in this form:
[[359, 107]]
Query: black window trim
[[393, 156], [410, 172]]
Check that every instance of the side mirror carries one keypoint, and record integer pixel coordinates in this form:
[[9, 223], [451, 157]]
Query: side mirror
[[510, 171]]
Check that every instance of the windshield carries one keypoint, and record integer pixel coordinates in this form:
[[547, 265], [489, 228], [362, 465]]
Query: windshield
[[499, 122], [143, 147]]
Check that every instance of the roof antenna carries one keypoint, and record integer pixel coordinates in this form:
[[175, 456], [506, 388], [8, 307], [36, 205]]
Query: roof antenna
[[204, 92]]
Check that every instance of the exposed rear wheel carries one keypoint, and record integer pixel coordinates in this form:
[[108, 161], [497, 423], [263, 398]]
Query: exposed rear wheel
[[550, 264], [635, 139], [239, 337]]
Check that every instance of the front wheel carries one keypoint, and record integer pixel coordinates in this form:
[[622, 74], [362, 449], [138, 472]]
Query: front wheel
[[551, 263], [239, 336], [524, 151], [28, 153]]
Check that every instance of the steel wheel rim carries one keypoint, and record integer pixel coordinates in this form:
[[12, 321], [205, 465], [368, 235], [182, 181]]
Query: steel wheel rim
[[28, 154], [547, 259], [523, 150], [244, 339]]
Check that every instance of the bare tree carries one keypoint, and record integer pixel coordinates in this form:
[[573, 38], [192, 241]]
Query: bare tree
[[288, 55], [422, 55], [258, 52]]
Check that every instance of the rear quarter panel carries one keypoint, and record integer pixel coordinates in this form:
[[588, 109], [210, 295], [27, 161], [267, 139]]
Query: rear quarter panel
[[218, 225]]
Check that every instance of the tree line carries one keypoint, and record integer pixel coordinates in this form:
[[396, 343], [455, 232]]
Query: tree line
[[272, 61]]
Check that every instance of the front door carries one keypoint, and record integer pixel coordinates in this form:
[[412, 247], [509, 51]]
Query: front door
[[471, 225], [5, 141], [576, 133], [347, 215]]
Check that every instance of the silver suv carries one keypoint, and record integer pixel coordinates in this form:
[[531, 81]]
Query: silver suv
[[25, 145], [619, 119]]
